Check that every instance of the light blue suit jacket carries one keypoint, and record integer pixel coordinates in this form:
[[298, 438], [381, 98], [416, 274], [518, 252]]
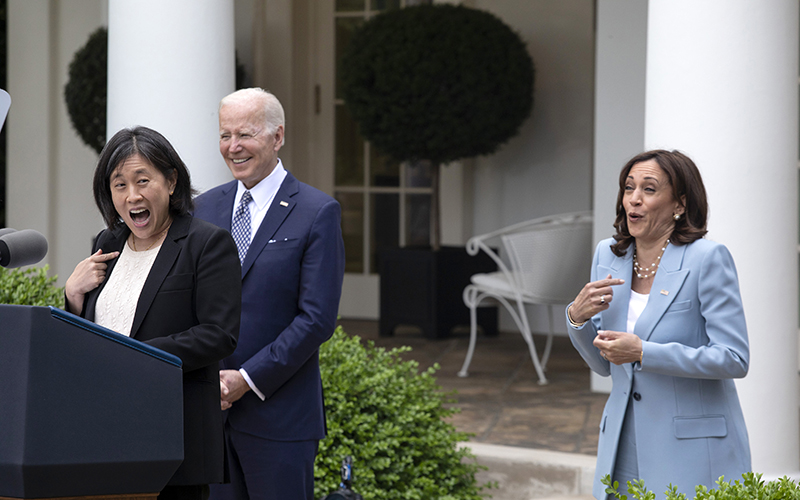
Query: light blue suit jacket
[[689, 425]]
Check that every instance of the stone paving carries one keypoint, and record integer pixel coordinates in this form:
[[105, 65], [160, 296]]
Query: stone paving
[[501, 402]]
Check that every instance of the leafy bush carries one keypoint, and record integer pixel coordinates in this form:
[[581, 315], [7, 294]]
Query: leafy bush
[[752, 487], [437, 82], [390, 418], [30, 287]]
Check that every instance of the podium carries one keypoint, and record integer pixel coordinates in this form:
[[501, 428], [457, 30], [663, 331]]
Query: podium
[[84, 411]]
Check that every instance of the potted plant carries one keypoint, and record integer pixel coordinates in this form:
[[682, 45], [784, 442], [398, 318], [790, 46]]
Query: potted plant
[[435, 84]]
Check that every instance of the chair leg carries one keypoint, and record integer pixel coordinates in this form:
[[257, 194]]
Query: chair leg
[[471, 302], [521, 319], [526, 332], [549, 344]]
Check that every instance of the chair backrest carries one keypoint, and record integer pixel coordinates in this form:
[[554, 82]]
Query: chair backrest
[[552, 261]]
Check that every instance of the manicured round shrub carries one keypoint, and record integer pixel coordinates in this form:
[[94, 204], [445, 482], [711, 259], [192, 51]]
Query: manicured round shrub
[[389, 418], [437, 82], [86, 90], [30, 287]]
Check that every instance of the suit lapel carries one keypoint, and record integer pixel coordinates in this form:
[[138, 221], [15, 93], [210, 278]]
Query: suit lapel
[[166, 257], [281, 207], [616, 316], [223, 209], [666, 284]]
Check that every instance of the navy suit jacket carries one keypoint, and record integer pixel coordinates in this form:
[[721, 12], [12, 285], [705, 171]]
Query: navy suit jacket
[[688, 422], [189, 307], [291, 285]]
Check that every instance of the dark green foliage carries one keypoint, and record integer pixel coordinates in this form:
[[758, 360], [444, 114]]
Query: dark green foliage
[[751, 487], [437, 82], [86, 90], [30, 287], [390, 418]]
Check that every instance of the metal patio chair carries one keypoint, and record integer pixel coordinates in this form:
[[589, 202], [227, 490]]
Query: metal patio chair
[[547, 262]]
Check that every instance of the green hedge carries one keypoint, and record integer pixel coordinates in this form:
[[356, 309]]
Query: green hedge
[[390, 418], [30, 287], [751, 487]]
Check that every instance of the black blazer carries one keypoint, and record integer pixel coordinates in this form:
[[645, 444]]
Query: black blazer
[[190, 306]]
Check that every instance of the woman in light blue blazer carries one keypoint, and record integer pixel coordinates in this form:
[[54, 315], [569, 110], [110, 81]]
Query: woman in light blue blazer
[[663, 316]]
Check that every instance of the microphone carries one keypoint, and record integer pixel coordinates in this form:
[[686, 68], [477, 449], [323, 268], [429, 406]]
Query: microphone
[[21, 248]]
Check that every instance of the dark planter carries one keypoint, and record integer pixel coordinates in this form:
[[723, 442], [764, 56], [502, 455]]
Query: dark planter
[[423, 288]]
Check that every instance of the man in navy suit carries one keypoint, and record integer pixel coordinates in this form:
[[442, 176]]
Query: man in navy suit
[[290, 245]]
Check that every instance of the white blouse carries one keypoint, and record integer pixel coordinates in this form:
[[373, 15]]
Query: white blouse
[[116, 304], [635, 307]]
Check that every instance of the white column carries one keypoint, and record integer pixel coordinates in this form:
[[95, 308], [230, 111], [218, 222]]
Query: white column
[[722, 87], [169, 64]]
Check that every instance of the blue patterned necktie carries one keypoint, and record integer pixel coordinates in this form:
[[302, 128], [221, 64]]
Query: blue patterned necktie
[[241, 225]]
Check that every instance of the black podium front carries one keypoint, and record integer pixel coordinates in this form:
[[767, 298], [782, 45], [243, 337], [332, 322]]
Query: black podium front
[[83, 410]]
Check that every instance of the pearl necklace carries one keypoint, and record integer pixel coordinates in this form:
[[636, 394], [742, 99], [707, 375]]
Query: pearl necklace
[[649, 271]]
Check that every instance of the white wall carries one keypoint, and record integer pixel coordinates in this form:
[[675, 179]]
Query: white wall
[[621, 59], [49, 168], [547, 168]]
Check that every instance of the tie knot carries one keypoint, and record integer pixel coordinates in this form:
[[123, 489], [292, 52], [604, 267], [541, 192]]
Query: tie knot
[[246, 198]]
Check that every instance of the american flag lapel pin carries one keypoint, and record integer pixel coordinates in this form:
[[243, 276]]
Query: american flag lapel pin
[[284, 204], [664, 292]]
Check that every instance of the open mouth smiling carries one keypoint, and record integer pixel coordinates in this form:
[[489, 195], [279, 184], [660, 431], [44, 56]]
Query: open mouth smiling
[[140, 216], [239, 161]]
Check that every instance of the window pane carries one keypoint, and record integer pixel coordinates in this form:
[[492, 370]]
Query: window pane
[[349, 5], [385, 224], [349, 166], [418, 174], [418, 215], [384, 171], [352, 230], [345, 26], [384, 4]]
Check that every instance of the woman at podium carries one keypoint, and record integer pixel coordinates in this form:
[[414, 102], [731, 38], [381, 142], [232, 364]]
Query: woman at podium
[[162, 277]]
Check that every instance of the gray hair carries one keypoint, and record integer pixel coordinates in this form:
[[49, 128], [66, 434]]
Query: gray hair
[[272, 110]]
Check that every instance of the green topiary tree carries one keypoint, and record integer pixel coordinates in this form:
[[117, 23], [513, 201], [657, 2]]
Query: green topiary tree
[[437, 83], [390, 418], [30, 287], [86, 90]]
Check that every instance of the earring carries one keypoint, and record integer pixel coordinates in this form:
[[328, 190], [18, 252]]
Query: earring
[[676, 216]]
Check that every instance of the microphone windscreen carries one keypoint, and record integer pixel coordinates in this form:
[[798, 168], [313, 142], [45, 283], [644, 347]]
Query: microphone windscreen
[[22, 248], [7, 230]]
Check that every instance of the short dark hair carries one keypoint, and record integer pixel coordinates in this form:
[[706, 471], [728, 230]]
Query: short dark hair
[[687, 184], [157, 150]]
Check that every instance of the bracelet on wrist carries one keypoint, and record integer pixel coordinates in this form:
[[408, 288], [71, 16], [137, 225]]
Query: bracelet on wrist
[[572, 321]]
